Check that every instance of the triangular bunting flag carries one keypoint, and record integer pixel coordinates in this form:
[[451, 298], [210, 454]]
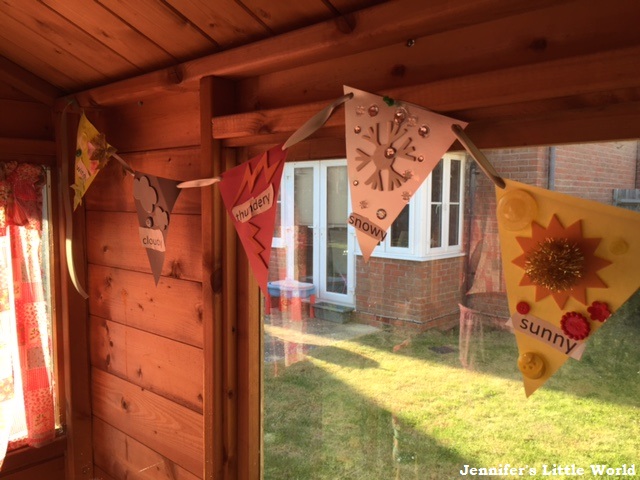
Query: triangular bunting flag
[[92, 154], [250, 192], [154, 198], [569, 263], [392, 147]]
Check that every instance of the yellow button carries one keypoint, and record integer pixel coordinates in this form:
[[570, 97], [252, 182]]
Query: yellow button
[[516, 210], [531, 365]]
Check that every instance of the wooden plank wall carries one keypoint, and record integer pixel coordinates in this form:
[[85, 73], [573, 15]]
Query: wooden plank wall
[[146, 341], [26, 128]]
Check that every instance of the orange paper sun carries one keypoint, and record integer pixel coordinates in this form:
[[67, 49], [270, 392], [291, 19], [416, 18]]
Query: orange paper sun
[[560, 262]]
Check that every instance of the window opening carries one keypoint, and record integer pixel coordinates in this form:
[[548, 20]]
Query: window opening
[[28, 413]]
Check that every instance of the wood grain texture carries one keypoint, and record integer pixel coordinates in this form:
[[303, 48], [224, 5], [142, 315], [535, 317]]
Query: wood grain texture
[[37, 60], [50, 469], [249, 364], [173, 309], [73, 311], [113, 32], [51, 30], [112, 190], [41, 152], [225, 21], [314, 44], [132, 354], [560, 31], [100, 474], [216, 97], [25, 120], [113, 240], [167, 122], [281, 17], [170, 429], [123, 457], [26, 82], [160, 24]]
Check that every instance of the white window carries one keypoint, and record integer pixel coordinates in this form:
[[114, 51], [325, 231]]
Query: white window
[[430, 226], [312, 229]]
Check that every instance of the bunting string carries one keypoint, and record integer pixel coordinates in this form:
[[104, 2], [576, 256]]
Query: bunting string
[[480, 158]]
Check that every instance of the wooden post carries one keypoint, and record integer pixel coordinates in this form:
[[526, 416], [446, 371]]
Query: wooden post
[[250, 354], [74, 312], [218, 291]]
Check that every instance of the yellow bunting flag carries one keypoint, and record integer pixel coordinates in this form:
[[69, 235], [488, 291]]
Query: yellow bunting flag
[[569, 264], [392, 147], [92, 154]]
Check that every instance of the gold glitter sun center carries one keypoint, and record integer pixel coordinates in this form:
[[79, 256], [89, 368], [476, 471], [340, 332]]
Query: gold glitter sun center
[[560, 262]]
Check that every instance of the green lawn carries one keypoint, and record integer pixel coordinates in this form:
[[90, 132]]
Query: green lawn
[[361, 409]]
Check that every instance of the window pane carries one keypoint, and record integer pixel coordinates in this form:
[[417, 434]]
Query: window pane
[[454, 177], [400, 229], [454, 225], [303, 224], [436, 183], [436, 226], [303, 196], [337, 213], [277, 231]]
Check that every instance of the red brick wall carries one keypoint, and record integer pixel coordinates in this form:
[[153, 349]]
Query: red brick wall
[[408, 293], [591, 171], [278, 264]]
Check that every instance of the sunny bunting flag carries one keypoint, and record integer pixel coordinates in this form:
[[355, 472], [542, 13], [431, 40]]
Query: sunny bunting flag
[[569, 264]]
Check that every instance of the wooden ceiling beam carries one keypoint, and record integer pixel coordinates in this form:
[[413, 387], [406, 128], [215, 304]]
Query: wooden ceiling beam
[[556, 32], [580, 125], [27, 82], [375, 27], [504, 90]]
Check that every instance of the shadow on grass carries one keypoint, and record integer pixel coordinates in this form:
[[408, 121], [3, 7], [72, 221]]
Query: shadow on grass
[[317, 427], [609, 370], [342, 357]]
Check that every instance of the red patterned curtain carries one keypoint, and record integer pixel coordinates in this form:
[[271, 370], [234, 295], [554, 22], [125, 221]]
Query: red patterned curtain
[[26, 368]]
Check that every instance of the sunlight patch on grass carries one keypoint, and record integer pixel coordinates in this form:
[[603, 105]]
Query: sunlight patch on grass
[[366, 409]]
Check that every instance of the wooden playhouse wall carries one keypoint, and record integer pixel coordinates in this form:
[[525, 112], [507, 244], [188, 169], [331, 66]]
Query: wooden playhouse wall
[[146, 341]]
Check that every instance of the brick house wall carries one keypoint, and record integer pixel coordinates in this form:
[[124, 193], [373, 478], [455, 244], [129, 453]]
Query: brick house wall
[[410, 294], [592, 171]]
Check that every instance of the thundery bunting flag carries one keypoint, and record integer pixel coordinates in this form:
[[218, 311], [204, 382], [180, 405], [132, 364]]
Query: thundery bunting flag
[[250, 192]]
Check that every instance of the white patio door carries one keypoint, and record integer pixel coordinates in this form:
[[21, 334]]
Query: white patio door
[[315, 204]]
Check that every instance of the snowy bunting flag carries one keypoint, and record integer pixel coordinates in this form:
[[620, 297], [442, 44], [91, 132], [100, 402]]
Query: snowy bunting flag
[[392, 147]]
